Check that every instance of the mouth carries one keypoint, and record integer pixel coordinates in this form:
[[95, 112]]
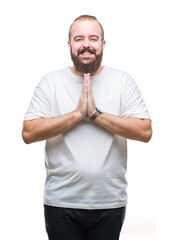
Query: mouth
[[86, 52]]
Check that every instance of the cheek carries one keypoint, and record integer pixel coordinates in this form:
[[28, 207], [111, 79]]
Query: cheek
[[75, 48], [98, 49]]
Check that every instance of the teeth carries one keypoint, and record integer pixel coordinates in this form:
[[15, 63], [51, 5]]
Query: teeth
[[86, 53]]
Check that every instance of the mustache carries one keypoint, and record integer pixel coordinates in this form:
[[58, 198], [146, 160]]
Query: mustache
[[85, 50]]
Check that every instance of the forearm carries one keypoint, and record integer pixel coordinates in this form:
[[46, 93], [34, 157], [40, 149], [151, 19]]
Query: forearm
[[131, 128], [44, 128]]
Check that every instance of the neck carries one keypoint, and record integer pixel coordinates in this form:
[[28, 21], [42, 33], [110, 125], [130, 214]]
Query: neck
[[73, 70]]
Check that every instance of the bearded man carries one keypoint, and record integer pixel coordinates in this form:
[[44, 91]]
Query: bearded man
[[86, 113]]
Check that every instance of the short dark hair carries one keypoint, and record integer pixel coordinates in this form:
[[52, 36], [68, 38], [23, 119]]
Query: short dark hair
[[86, 17]]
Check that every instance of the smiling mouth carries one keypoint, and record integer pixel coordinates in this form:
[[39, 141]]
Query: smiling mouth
[[86, 51]]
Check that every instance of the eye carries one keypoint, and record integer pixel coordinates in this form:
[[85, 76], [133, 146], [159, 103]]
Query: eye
[[94, 39], [78, 39]]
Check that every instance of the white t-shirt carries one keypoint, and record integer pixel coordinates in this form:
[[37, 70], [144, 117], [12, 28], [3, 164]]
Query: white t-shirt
[[86, 165]]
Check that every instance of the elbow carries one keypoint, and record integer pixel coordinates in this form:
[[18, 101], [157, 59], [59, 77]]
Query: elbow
[[26, 138], [27, 133], [147, 136], [147, 132]]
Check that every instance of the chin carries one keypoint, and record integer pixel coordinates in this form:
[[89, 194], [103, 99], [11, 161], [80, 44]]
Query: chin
[[88, 65], [87, 61]]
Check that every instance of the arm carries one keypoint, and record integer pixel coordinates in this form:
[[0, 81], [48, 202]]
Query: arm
[[131, 128], [44, 128]]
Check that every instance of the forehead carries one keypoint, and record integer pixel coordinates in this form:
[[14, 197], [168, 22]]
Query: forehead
[[86, 27]]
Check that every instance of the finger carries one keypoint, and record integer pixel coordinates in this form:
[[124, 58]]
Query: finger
[[85, 88], [86, 78], [90, 92]]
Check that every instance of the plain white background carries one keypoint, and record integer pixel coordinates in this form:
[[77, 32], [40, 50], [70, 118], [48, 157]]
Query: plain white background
[[139, 40]]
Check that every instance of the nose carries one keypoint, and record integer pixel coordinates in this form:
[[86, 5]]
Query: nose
[[86, 43]]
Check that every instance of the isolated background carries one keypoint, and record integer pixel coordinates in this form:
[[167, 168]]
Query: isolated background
[[139, 40]]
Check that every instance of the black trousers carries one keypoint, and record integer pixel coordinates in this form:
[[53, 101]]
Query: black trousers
[[79, 224]]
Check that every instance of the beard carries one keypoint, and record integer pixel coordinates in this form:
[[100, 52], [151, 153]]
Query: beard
[[91, 67]]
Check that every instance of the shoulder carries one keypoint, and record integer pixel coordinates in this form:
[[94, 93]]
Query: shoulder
[[118, 74], [50, 77], [56, 74]]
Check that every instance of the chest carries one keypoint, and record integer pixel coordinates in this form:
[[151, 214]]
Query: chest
[[107, 96]]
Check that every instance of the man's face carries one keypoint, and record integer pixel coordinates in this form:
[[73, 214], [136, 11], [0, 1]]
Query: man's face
[[86, 45]]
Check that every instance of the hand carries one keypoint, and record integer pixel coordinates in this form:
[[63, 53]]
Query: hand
[[82, 107], [86, 105], [91, 102]]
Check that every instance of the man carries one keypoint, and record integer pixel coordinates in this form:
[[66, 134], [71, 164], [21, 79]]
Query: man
[[85, 113]]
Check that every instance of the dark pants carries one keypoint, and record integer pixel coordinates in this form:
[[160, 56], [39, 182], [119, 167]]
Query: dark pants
[[79, 224]]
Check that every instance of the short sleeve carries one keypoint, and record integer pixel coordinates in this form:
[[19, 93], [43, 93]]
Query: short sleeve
[[40, 102], [133, 104]]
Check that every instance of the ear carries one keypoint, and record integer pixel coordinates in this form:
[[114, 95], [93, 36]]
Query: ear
[[103, 44], [69, 44]]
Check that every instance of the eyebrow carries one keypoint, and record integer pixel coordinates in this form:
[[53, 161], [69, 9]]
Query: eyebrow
[[78, 36], [90, 36], [94, 36]]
